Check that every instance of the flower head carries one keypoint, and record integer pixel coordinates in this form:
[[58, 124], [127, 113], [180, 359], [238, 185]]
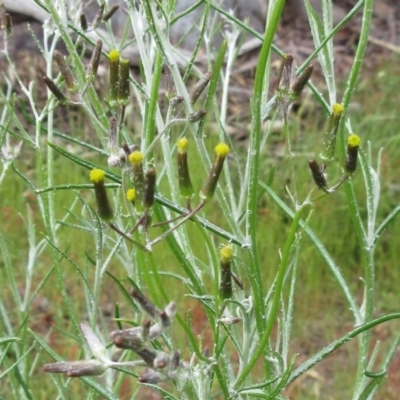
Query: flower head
[[131, 195], [353, 143], [208, 189], [185, 183], [225, 288], [317, 174], [328, 151], [113, 57], [104, 209]]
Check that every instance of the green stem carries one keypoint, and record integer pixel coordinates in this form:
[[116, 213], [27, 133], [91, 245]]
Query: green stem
[[351, 200], [150, 118], [254, 155], [275, 300], [337, 343]]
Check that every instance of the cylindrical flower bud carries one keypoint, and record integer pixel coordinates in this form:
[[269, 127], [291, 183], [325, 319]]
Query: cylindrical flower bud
[[76, 368], [170, 89], [225, 288], [6, 23], [328, 151], [98, 17], [5, 20], [208, 189], [113, 57], [199, 87], [301, 82], [147, 305], [8, 28], [123, 84], [285, 72], [318, 175], [149, 188], [128, 149], [136, 160], [110, 13], [146, 325], [103, 205], [83, 22], [197, 116], [130, 339], [65, 71], [58, 94], [353, 143], [93, 66], [165, 319], [185, 183]]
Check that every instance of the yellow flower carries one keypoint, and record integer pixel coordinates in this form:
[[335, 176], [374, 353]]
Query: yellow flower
[[353, 140], [226, 253], [136, 157], [96, 175], [131, 195], [182, 144], [113, 55]]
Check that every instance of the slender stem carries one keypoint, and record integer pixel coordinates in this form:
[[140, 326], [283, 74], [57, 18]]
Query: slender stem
[[336, 272], [276, 296], [152, 106], [254, 156], [166, 233], [337, 343], [351, 200]]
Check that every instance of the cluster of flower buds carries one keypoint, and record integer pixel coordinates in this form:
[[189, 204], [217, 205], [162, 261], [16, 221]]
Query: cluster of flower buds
[[286, 95], [68, 76], [144, 184], [142, 193], [160, 366], [328, 153], [119, 79], [100, 17], [185, 184]]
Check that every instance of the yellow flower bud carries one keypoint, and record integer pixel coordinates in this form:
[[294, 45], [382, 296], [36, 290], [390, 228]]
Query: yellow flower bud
[[104, 209], [208, 189], [353, 143]]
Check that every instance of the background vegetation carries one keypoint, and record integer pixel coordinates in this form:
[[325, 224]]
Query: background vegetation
[[48, 271]]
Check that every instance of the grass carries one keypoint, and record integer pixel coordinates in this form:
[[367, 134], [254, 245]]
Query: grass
[[56, 251]]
